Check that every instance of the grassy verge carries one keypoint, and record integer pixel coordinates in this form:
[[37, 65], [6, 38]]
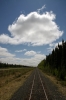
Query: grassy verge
[[60, 84], [11, 80]]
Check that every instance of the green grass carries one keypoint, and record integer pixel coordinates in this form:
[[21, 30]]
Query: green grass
[[14, 71]]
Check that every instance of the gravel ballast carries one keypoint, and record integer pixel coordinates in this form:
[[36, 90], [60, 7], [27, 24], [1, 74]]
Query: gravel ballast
[[24, 92]]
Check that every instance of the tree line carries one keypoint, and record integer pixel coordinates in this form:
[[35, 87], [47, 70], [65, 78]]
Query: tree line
[[6, 65], [55, 62]]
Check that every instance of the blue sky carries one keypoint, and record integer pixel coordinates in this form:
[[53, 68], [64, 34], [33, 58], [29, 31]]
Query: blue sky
[[30, 29]]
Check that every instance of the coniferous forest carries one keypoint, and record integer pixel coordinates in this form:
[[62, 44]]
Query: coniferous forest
[[55, 63], [6, 65]]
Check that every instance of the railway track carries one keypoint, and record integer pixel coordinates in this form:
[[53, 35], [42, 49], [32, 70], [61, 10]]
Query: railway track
[[33, 89], [37, 87], [38, 91]]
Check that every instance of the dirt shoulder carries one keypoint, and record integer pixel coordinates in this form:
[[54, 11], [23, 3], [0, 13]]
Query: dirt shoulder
[[7, 90], [61, 88]]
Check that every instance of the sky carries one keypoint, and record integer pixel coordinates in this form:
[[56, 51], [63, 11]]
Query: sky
[[30, 29]]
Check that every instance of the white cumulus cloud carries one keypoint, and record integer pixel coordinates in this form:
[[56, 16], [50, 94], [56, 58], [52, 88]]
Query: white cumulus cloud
[[20, 50], [9, 58], [30, 53], [34, 29], [4, 53]]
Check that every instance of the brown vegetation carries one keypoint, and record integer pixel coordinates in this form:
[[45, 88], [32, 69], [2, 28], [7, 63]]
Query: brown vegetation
[[58, 83], [12, 80]]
